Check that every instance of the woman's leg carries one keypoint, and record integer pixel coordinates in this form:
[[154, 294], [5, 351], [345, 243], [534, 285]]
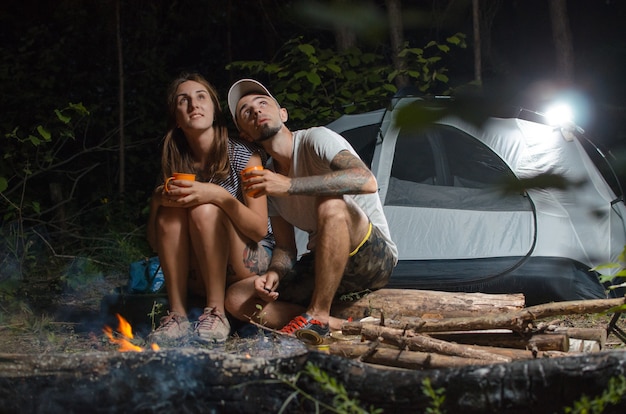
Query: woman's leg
[[210, 245], [173, 250], [223, 254]]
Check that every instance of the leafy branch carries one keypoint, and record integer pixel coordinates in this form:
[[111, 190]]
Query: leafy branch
[[317, 85], [612, 395]]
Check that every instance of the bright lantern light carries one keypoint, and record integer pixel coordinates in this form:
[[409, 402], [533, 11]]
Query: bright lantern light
[[559, 114]]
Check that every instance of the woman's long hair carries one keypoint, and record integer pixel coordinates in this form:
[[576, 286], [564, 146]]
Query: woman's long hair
[[177, 155]]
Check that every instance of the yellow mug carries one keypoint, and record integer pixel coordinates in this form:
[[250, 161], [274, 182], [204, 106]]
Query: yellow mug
[[251, 193], [179, 176]]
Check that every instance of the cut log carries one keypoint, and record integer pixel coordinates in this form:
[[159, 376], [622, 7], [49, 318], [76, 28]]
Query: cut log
[[393, 357], [588, 334], [540, 342], [423, 343], [583, 345], [517, 354], [517, 321], [200, 380], [513, 354], [396, 303], [389, 355]]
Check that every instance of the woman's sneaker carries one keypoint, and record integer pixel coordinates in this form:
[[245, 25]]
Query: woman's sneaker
[[212, 327], [307, 329], [173, 329]]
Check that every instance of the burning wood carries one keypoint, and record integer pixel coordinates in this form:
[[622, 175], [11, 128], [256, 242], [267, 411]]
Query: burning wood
[[124, 336]]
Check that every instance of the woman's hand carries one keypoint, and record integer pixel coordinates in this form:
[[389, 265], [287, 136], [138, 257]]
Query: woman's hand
[[184, 193]]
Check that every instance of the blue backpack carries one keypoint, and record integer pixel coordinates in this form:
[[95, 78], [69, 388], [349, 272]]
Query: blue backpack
[[146, 276]]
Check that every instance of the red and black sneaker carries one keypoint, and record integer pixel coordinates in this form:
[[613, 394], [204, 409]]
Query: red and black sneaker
[[307, 329]]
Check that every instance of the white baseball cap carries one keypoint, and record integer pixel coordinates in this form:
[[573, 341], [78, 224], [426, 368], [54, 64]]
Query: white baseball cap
[[242, 88]]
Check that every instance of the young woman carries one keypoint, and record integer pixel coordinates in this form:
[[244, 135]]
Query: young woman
[[207, 232]]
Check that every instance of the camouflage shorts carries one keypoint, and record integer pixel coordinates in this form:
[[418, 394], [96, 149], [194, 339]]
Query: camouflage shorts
[[369, 269]]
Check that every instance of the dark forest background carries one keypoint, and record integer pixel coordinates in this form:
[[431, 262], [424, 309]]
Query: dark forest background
[[82, 86]]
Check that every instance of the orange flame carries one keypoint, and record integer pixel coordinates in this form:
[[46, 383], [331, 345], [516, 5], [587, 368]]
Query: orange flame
[[126, 332]]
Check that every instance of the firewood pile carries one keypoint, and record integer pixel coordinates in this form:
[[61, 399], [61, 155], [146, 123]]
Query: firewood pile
[[425, 329], [460, 342]]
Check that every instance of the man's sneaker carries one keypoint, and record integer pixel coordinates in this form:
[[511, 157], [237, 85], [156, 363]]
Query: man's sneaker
[[307, 329], [173, 329], [212, 326]]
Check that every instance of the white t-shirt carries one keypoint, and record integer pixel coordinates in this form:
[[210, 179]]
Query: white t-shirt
[[313, 151]]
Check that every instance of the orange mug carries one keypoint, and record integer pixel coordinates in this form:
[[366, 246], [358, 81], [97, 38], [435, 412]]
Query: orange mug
[[179, 176], [252, 193]]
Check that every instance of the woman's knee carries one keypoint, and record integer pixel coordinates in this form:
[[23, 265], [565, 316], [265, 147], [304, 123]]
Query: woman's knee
[[171, 219], [206, 216]]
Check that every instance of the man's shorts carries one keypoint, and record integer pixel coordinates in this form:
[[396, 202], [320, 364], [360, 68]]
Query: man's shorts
[[368, 269]]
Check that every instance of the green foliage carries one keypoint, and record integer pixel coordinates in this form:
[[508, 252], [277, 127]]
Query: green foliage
[[158, 310], [342, 403], [319, 84], [436, 396], [24, 190], [47, 221], [354, 296], [425, 64], [259, 313], [80, 272], [614, 270], [612, 395], [18, 316], [31, 154]]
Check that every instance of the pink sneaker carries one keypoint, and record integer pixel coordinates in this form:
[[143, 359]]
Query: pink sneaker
[[173, 328], [212, 327]]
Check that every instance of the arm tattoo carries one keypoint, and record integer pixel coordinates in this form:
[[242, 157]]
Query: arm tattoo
[[282, 261], [349, 175], [255, 258]]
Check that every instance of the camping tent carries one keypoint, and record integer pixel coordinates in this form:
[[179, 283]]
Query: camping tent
[[458, 230]]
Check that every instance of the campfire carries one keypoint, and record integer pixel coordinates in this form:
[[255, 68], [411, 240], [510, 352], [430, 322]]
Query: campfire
[[124, 337]]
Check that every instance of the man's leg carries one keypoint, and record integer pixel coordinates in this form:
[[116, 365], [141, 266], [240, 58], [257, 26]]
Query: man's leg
[[243, 303], [342, 225]]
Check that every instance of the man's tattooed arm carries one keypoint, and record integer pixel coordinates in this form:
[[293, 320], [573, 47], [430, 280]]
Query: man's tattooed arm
[[282, 262], [349, 176]]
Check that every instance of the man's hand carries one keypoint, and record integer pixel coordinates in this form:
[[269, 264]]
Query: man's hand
[[266, 285], [267, 182]]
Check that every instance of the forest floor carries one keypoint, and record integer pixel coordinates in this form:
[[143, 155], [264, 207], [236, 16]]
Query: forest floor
[[42, 318]]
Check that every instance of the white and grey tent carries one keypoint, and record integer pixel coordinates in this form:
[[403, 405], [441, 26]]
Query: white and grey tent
[[457, 230]]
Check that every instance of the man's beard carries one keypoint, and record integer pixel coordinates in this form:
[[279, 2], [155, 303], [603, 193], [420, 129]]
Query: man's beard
[[268, 132]]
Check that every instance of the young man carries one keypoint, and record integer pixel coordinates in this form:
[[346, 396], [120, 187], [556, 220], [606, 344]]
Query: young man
[[316, 182]]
